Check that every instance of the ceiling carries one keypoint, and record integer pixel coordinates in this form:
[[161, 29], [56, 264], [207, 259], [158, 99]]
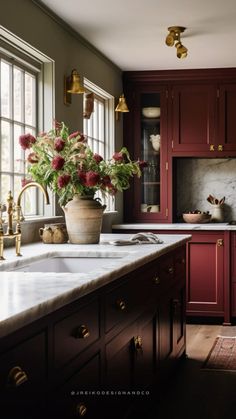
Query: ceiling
[[132, 33]]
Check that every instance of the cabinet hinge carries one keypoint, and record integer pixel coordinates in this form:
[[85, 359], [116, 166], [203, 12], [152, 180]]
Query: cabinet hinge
[[218, 93], [167, 212], [220, 242], [167, 165]]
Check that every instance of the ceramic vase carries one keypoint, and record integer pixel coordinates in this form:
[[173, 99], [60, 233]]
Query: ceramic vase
[[217, 214], [83, 216]]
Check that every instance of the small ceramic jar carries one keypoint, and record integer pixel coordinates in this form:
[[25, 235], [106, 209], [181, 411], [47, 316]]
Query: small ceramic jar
[[54, 233]]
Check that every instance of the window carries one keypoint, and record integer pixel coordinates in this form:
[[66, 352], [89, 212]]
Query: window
[[100, 128], [17, 115], [26, 106]]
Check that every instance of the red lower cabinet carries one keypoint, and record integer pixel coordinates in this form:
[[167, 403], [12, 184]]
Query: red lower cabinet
[[233, 273], [205, 275]]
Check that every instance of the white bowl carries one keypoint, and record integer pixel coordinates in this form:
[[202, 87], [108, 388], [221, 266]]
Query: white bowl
[[151, 112]]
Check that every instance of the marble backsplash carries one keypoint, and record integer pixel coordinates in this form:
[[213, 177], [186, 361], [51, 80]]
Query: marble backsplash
[[195, 178]]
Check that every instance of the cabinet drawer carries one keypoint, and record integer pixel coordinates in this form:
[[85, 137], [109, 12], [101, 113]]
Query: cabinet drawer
[[22, 378], [74, 399], [30, 358], [75, 333], [121, 304]]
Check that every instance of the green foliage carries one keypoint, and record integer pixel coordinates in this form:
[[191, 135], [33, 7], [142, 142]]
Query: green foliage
[[65, 164]]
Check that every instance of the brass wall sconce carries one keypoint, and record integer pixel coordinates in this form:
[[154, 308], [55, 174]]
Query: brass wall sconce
[[173, 38], [72, 85], [121, 106]]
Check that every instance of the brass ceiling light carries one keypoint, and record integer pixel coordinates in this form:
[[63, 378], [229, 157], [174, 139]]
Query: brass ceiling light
[[72, 85], [173, 38], [122, 106]]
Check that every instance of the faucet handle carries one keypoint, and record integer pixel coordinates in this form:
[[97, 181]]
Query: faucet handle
[[3, 208], [18, 214]]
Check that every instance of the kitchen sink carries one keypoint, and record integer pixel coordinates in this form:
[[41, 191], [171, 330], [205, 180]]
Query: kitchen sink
[[70, 264]]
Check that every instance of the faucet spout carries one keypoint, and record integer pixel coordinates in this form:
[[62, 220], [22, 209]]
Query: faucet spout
[[29, 185]]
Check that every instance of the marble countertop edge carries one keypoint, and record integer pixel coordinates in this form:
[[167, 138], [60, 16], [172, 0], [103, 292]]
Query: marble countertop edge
[[29, 297]]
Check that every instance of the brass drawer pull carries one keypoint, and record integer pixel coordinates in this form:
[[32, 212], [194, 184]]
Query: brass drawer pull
[[81, 332], [212, 147], [156, 280], [16, 377], [138, 346], [121, 305], [170, 270], [81, 410], [220, 147]]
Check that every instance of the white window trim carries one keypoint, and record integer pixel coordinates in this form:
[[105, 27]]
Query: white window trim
[[12, 45]]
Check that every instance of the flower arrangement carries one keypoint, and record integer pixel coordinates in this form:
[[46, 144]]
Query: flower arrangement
[[67, 165]]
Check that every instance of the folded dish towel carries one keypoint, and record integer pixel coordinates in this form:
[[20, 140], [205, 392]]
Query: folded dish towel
[[139, 238]]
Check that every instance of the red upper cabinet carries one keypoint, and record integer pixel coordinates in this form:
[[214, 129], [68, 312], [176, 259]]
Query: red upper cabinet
[[227, 118], [193, 118], [203, 119], [145, 135]]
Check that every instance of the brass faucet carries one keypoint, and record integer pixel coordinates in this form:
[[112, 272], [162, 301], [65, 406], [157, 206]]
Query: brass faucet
[[11, 208]]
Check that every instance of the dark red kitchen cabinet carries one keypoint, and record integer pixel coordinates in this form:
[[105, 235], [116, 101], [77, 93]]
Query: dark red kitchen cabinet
[[193, 117], [233, 273], [146, 139], [227, 121], [205, 275]]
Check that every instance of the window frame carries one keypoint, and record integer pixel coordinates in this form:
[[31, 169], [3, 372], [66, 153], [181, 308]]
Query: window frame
[[108, 129], [24, 55]]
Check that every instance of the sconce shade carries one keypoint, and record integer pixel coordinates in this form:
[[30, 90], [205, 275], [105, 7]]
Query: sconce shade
[[74, 85], [122, 106]]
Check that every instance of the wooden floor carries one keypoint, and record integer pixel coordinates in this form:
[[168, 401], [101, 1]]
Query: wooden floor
[[195, 393]]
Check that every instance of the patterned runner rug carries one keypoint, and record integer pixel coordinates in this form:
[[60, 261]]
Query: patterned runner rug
[[222, 355]]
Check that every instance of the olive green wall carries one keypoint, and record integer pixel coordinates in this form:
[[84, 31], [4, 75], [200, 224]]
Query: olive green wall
[[30, 21]]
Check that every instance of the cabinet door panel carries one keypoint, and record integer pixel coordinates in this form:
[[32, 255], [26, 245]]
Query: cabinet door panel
[[205, 275], [227, 120], [233, 274], [147, 140], [144, 356], [193, 117]]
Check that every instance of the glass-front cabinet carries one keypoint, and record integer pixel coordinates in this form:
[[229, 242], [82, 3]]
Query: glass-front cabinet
[[147, 138]]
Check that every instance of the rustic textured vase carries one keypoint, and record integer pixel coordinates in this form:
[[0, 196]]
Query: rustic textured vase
[[83, 217]]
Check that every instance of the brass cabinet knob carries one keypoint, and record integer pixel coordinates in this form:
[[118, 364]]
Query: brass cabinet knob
[[81, 410], [81, 332], [220, 147], [156, 280], [170, 270], [212, 147], [138, 343], [121, 304], [16, 377], [220, 242]]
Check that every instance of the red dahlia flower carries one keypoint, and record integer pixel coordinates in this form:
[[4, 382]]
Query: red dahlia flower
[[82, 176], [63, 180], [92, 178], [118, 156], [59, 144], [97, 158], [57, 163], [26, 141]]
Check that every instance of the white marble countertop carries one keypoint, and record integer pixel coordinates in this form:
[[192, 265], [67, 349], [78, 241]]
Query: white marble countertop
[[27, 296], [175, 226]]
